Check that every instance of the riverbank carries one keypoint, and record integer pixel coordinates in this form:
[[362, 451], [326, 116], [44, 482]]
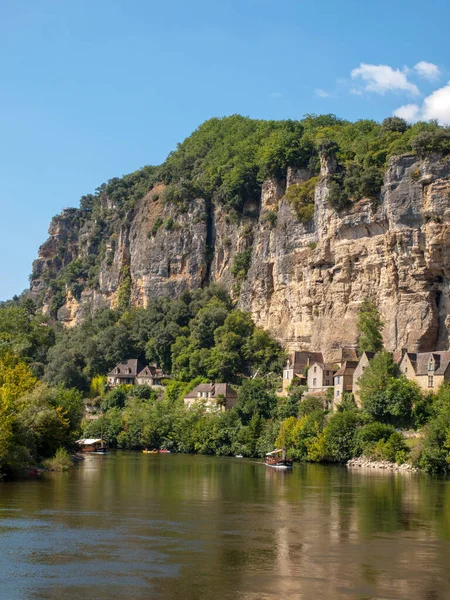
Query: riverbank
[[365, 463]]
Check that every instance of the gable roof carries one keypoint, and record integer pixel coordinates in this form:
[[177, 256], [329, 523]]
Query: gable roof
[[348, 368], [127, 368], [301, 359], [441, 360], [215, 389], [151, 371]]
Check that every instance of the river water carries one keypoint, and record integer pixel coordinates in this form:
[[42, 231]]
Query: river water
[[136, 526]]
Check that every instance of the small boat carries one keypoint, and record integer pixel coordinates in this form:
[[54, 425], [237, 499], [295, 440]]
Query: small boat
[[278, 460], [164, 451], [239, 456], [150, 451]]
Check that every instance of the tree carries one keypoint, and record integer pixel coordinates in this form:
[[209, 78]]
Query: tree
[[376, 378], [254, 398], [370, 328], [340, 435]]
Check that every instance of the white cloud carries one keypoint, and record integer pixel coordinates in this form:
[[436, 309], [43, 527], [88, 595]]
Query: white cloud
[[321, 93], [383, 78], [427, 70], [409, 112], [435, 106]]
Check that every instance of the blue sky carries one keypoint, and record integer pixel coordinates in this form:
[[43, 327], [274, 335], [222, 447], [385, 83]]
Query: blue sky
[[90, 90]]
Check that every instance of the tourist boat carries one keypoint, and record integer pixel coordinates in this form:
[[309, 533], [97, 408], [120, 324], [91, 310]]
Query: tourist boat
[[92, 446], [278, 460], [239, 456]]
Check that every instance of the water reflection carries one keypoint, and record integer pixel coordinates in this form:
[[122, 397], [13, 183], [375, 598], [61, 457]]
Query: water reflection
[[138, 526]]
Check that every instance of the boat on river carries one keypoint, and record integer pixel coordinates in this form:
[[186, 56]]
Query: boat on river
[[149, 451], [92, 446], [277, 459]]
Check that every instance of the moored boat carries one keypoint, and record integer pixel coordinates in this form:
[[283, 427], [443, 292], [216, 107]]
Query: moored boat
[[150, 451], [278, 460]]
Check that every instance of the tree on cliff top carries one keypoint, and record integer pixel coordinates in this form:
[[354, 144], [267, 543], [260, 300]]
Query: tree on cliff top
[[370, 328]]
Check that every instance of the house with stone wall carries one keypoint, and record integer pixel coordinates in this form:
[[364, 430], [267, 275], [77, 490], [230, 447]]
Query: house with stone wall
[[428, 369], [343, 381]]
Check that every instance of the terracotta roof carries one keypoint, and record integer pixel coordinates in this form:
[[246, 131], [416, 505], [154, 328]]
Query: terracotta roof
[[216, 389], [348, 368]]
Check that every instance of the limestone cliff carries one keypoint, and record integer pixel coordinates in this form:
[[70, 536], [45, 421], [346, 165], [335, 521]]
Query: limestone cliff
[[305, 281]]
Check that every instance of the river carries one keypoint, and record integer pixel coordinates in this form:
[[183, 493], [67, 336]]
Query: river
[[134, 526]]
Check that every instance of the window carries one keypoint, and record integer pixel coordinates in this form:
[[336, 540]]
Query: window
[[338, 380], [314, 381], [315, 369], [406, 370], [199, 394], [431, 366], [204, 394], [338, 393], [327, 382], [430, 381], [117, 370]]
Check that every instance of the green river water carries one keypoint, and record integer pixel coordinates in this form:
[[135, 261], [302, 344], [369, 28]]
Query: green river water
[[135, 526]]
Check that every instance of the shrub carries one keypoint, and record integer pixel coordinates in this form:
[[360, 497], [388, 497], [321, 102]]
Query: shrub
[[312, 245], [369, 435], [60, 462], [169, 224], [271, 218], [241, 265], [301, 196], [428, 142], [156, 225]]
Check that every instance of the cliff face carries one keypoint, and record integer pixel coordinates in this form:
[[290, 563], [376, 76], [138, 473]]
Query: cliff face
[[305, 282]]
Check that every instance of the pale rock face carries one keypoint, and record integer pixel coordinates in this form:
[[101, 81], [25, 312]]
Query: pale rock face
[[306, 282]]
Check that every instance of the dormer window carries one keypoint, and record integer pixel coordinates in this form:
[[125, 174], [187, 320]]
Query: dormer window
[[431, 365], [117, 370]]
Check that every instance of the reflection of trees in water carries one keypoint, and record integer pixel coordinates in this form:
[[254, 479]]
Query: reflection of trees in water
[[202, 527]]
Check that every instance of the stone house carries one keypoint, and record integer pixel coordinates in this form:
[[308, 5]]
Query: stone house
[[363, 362], [135, 372], [343, 380], [428, 369], [296, 366], [150, 375], [320, 376], [216, 396]]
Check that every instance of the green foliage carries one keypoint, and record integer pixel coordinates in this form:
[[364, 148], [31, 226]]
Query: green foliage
[[377, 376], [340, 434], [255, 399], [269, 217], [241, 264], [428, 142], [124, 289], [301, 196], [60, 462], [370, 327], [156, 225], [394, 124]]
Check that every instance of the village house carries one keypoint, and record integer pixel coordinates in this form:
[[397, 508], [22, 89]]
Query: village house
[[363, 362], [320, 376], [296, 367], [135, 372], [428, 369], [215, 396], [343, 381]]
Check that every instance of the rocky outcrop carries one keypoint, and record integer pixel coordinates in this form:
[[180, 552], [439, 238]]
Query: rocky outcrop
[[305, 282]]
